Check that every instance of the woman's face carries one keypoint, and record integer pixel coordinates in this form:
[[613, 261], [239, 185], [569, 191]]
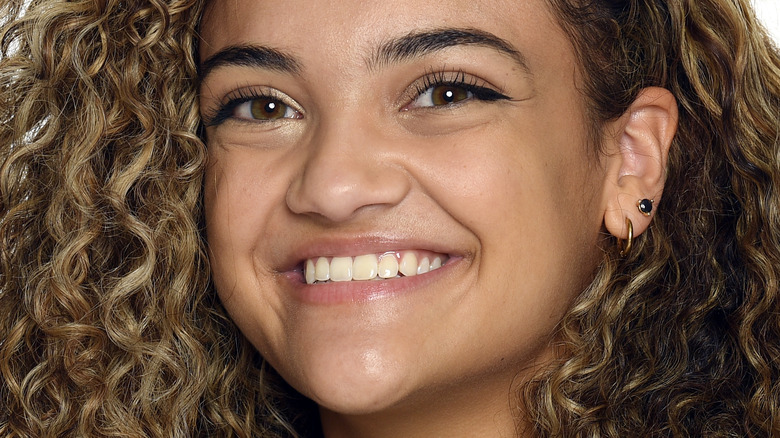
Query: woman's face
[[373, 135]]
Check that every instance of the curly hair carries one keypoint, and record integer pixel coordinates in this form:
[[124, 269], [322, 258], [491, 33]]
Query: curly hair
[[109, 325], [681, 338]]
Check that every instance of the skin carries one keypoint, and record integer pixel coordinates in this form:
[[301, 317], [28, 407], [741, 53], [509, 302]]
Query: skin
[[509, 189]]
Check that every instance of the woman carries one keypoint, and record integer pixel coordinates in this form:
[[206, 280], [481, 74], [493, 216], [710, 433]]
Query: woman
[[537, 218]]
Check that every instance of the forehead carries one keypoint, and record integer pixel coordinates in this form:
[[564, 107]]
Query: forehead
[[348, 29]]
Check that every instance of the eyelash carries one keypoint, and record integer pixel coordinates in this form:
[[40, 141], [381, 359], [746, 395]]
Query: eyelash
[[457, 79]]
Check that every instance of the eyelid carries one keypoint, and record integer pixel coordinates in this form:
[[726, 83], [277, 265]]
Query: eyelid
[[237, 97]]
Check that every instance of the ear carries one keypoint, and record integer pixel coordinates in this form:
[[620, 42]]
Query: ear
[[637, 147]]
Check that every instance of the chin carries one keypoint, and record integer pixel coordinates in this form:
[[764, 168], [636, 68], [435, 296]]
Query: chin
[[352, 384]]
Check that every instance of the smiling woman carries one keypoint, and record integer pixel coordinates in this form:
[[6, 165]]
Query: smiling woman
[[389, 218], [409, 144]]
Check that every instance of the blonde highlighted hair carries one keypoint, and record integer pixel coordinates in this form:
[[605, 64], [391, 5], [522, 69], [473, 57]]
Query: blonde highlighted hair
[[109, 325], [682, 337]]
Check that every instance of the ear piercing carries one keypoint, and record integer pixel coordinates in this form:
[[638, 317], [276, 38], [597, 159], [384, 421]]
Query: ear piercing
[[624, 246], [645, 206]]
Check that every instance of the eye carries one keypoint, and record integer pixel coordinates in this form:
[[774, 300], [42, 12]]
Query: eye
[[447, 88], [443, 94], [256, 105], [264, 108]]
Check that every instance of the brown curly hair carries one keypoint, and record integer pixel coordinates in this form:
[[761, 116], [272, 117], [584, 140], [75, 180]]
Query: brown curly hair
[[681, 338], [109, 325]]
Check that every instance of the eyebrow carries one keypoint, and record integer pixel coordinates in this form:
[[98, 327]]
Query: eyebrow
[[250, 56], [419, 44], [398, 50]]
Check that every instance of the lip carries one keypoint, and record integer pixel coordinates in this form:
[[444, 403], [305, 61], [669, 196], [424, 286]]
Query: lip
[[363, 291], [359, 291]]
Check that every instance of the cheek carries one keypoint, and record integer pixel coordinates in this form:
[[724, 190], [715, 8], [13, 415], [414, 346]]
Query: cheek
[[527, 175], [241, 188], [237, 199], [239, 193], [227, 199], [529, 193]]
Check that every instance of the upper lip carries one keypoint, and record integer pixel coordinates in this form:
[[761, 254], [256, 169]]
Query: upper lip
[[342, 246]]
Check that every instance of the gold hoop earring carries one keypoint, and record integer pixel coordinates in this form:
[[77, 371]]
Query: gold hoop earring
[[625, 248]]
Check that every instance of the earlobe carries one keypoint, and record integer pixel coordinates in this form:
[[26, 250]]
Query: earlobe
[[637, 148]]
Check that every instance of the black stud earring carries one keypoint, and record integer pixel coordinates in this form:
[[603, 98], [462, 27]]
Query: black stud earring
[[645, 206]]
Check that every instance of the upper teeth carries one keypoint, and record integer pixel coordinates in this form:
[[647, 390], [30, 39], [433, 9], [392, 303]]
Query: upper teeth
[[371, 266]]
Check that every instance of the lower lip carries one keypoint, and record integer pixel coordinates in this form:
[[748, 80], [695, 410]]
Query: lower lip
[[336, 292]]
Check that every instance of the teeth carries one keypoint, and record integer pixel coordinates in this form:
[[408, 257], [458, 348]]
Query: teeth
[[388, 266], [322, 269], [364, 267], [408, 265], [371, 266], [311, 275], [341, 269], [424, 266]]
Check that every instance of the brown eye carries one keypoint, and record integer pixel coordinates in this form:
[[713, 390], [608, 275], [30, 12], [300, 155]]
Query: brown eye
[[266, 108], [442, 94], [447, 94]]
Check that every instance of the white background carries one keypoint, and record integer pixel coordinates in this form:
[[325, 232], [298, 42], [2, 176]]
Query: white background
[[769, 12]]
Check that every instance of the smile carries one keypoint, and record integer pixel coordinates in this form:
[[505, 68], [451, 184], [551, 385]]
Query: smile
[[390, 264]]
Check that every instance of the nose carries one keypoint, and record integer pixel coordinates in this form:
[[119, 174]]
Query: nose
[[349, 168]]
